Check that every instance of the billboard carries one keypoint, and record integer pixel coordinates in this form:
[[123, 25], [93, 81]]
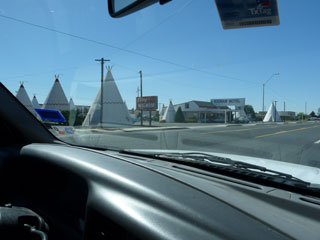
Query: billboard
[[149, 103]]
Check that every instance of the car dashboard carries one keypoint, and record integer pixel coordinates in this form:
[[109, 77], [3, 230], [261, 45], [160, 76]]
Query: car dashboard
[[89, 194]]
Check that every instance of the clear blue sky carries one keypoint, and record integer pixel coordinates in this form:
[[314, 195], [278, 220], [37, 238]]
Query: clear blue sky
[[183, 32]]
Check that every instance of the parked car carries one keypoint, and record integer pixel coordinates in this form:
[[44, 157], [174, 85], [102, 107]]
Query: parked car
[[242, 120], [312, 119]]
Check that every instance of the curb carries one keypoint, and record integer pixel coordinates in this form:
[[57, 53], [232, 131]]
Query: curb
[[152, 129]]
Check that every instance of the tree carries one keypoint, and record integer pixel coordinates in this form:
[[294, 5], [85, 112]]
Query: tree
[[79, 119], [312, 114], [301, 116], [73, 118], [156, 117], [179, 117], [66, 115], [248, 109]]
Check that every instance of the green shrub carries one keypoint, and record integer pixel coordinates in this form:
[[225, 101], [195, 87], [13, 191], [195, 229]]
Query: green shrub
[[179, 117]]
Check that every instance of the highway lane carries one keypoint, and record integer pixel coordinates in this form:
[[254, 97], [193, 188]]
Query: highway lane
[[294, 142]]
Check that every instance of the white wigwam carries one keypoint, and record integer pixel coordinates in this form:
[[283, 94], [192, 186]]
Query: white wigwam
[[23, 97], [35, 102], [169, 113], [73, 112], [71, 105], [162, 111], [272, 114], [56, 99], [115, 111]]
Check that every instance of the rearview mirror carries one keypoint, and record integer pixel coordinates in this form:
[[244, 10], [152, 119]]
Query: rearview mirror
[[120, 8]]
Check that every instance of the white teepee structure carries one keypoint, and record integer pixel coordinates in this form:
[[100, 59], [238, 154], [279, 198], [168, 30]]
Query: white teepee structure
[[56, 99], [35, 102], [114, 110], [272, 114], [73, 112], [71, 105], [162, 111], [23, 97], [169, 113]]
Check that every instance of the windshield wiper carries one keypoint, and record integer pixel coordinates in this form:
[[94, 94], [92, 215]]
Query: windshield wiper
[[236, 169], [212, 159]]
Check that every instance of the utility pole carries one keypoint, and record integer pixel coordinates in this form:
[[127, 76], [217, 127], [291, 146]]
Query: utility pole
[[275, 111], [102, 61], [263, 98], [284, 110], [140, 72]]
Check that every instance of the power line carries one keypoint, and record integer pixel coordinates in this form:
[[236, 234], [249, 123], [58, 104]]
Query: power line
[[159, 24], [121, 49], [36, 74], [279, 95]]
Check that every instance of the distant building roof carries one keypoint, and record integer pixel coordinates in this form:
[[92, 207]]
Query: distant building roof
[[203, 104]]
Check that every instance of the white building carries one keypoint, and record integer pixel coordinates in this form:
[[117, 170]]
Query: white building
[[201, 111], [287, 115]]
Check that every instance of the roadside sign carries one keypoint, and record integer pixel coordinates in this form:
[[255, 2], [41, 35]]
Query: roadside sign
[[149, 103], [248, 13], [229, 101], [50, 115]]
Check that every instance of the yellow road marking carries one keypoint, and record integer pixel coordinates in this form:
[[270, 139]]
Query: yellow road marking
[[247, 129], [240, 130], [288, 131]]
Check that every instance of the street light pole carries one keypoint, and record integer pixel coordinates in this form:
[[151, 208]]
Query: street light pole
[[263, 85], [305, 110]]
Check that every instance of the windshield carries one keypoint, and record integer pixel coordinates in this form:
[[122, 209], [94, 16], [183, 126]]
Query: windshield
[[168, 77]]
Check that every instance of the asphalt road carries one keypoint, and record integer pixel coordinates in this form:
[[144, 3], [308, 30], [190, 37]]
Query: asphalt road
[[289, 142]]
